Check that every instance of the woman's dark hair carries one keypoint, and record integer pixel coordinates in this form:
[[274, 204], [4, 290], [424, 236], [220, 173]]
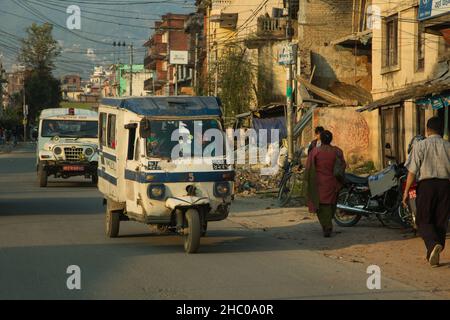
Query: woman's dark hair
[[435, 124], [318, 130], [326, 137]]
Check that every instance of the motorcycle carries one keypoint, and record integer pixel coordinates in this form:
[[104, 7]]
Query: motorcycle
[[379, 194]]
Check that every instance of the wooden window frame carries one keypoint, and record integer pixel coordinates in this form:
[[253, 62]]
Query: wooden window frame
[[391, 44]]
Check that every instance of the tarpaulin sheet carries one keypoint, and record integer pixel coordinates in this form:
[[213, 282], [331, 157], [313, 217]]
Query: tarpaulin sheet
[[278, 123]]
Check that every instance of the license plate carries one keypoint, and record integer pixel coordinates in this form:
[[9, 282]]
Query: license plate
[[73, 168]]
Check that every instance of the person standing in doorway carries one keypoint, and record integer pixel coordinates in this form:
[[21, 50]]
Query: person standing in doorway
[[431, 157], [322, 186]]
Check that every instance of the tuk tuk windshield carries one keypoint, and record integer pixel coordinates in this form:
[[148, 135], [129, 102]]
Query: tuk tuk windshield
[[70, 128], [165, 136]]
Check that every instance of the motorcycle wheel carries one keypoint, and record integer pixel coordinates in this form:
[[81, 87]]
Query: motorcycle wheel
[[285, 192], [404, 217], [342, 218]]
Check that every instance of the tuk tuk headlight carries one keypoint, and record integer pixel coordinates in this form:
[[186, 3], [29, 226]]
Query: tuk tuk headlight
[[156, 192], [89, 152], [222, 189], [57, 151]]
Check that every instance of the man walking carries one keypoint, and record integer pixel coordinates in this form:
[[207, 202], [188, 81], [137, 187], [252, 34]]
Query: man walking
[[431, 157]]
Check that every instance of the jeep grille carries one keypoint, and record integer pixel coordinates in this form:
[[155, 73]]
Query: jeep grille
[[73, 154]]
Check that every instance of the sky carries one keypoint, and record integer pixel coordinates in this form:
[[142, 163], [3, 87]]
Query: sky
[[102, 23]]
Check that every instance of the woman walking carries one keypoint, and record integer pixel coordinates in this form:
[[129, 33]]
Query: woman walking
[[322, 183]]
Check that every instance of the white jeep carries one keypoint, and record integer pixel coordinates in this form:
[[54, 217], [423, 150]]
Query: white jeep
[[67, 144]]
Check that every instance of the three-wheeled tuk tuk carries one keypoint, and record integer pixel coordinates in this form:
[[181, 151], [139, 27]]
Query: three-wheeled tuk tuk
[[158, 164]]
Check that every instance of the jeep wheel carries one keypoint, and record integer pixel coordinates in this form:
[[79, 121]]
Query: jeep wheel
[[42, 176]]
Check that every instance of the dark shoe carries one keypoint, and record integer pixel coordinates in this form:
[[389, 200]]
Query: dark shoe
[[327, 233], [435, 255]]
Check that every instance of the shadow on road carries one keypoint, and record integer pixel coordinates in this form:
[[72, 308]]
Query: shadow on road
[[51, 206]]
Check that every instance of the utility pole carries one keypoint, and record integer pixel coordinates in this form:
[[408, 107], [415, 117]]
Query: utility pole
[[289, 87], [25, 114], [216, 80], [195, 62], [131, 69], [176, 80]]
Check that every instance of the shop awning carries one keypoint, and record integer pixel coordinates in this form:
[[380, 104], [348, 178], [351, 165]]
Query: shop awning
[[414, 92]]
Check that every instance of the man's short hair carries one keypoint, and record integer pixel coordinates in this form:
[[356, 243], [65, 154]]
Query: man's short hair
[[319, 129], [435, 124], [326, 137]]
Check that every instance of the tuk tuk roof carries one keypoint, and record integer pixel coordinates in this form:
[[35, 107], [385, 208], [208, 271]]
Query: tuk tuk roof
[[168, 106]]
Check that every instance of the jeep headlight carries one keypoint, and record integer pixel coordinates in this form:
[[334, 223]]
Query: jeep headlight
[[222, 189], [89, 152], [57, 151], [156, 192]]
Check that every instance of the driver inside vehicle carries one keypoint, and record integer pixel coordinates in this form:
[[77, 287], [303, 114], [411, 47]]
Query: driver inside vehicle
[[153, 144]]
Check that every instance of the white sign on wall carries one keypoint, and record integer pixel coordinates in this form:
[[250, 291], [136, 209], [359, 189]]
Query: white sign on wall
[[287, 54], [179, 57]]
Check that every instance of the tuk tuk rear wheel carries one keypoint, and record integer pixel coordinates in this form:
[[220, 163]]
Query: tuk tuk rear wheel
[[192, 239], [112, 222]]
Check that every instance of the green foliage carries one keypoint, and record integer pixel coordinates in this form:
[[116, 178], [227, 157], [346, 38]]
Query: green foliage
[[77, 105], [235, 81], [11, 118], [38, 53], [42, 91], [39, 49]]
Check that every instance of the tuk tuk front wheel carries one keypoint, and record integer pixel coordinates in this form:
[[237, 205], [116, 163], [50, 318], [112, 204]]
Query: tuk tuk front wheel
[[112, 222], [192, 238]]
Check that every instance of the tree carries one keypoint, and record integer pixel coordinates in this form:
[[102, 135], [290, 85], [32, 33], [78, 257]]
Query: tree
[[42, 91], [10, 118], [39, 49], [235, 81], [38, 53]]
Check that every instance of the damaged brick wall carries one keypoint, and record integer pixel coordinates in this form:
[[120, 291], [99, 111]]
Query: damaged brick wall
[[350, 131], [321, 22]]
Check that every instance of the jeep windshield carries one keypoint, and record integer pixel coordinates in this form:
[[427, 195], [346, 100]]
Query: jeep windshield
[[70, 128], [196, 137]]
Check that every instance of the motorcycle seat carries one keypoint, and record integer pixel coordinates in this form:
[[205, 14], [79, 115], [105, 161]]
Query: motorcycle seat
[[354, 179]]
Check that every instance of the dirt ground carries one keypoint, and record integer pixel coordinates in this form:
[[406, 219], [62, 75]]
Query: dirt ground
[[399, 254]]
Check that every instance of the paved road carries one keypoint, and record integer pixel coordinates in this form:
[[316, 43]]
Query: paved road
[[43, 231]]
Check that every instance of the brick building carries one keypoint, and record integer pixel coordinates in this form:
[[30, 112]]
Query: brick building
[[169, 36]]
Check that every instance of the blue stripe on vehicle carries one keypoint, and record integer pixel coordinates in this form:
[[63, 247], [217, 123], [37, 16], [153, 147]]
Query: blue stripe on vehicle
[[104, 175], [167, 177], [108, 156]]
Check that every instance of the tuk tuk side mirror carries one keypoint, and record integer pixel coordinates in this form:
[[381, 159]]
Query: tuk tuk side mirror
[[144, 128]]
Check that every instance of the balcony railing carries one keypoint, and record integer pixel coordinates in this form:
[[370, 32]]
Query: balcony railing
[[271, 27]]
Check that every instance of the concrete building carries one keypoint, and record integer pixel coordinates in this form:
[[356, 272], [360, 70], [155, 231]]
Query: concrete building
[[71, 87], [169, 36], [410, 69]]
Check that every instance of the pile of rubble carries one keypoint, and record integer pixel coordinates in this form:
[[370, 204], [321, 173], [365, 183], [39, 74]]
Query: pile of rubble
[[249, 180]]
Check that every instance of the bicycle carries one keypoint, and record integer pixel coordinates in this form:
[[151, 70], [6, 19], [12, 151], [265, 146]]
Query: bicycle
[[290, 182]]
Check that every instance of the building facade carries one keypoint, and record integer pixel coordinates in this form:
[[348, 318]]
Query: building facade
[[169, 36], [411, 75]]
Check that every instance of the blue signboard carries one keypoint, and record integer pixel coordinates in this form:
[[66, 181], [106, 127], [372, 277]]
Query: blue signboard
[[432, 8]]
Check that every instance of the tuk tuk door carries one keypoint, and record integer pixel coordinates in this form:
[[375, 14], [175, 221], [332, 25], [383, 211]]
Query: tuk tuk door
[[133, 169]]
